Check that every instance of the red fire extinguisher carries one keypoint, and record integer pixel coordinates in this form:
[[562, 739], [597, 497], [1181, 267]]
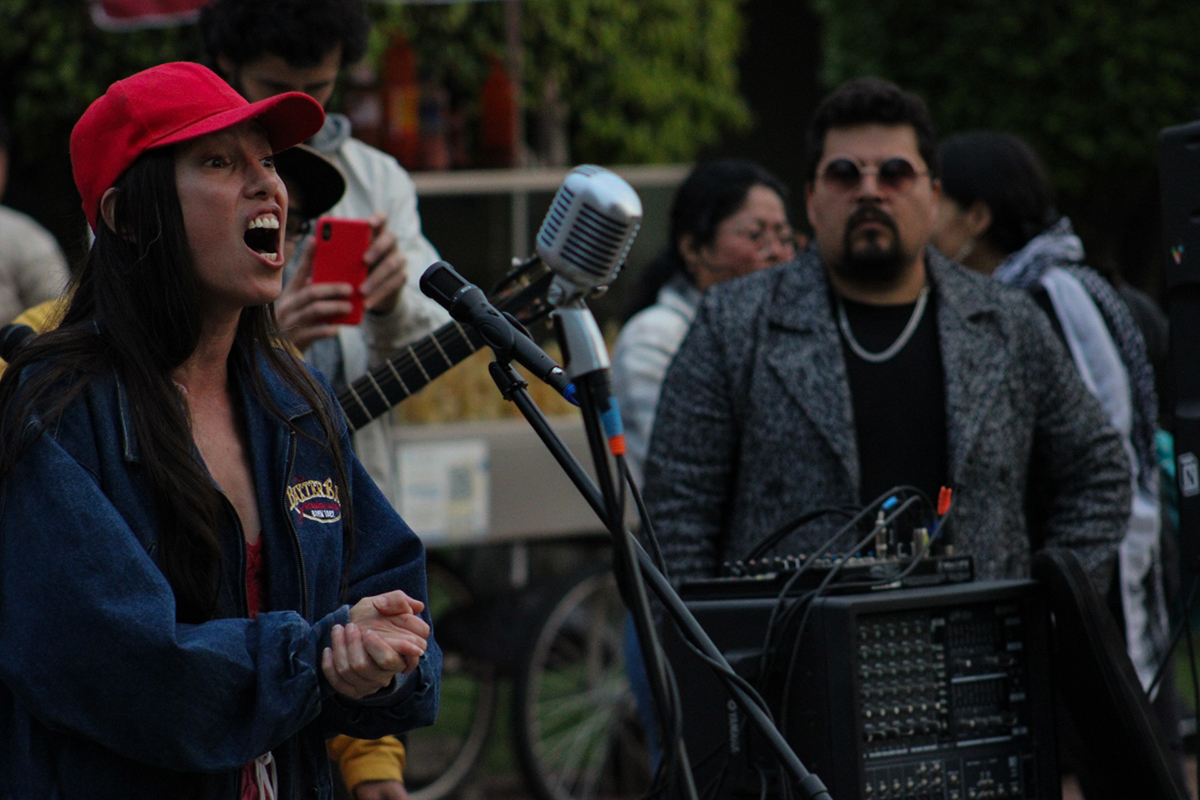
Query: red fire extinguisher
[[401, 103]]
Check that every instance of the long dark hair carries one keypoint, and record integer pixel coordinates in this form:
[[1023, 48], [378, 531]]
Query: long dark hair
[[1003, 171], [135, 310], [711, 193]]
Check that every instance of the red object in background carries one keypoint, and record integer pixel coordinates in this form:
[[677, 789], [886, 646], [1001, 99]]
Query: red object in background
[[498, 118], [435, 113], [943, 501], [363, 104], [401, 104], [128, 15]]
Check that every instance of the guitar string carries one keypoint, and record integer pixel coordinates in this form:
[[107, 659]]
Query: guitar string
[[422, 352]]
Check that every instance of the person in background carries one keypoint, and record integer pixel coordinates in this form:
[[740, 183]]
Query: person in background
[[729, 218], [32, 267], [371, 769], [996, 216], [236, 587], [268, 47], [869, 362]]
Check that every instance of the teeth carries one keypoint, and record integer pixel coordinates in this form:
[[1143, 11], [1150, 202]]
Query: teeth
[[267, 221], [271, 256]]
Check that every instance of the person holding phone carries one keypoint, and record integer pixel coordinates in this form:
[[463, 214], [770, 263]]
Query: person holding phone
[[199, 584], [371, 769], [273, 46]]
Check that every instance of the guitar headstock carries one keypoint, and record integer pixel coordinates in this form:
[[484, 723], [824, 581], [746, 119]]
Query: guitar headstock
[[522, 292]]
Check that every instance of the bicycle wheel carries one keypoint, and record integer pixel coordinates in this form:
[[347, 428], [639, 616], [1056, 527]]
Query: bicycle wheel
[[441, 757], [576, 730]]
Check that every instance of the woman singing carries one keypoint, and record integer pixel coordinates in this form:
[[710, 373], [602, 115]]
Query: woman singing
[[199, 584]]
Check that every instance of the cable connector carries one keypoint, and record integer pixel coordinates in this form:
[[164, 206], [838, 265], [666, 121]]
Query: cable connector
[[614, 429], [944, 496]]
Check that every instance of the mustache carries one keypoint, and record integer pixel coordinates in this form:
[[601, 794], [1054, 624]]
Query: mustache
[[871, 214]]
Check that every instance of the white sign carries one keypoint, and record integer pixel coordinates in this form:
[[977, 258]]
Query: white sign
[[444, 489], [1189, 475]]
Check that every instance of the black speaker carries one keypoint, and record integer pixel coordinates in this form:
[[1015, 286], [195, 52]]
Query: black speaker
[[938, 693], [1179, 178]]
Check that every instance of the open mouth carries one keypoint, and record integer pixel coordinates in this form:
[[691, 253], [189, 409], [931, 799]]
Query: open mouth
[[262, 236]]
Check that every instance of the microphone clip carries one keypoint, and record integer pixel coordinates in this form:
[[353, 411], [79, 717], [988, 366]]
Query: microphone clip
[[579, 336]]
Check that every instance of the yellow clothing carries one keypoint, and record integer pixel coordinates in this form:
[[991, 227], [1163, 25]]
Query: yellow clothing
[[42, 317], [359, 759], [363, 760]]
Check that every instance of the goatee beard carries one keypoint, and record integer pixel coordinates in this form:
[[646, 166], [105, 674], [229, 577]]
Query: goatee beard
[[873, 261]]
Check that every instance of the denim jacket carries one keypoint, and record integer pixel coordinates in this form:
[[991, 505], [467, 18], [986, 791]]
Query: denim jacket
[[104, 695]]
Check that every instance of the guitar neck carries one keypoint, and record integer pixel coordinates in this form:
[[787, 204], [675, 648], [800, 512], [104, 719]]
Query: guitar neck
[[403, 375]]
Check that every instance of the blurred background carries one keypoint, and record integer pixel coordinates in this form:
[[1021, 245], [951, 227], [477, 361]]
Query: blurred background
[[548, 83], [488, 104]]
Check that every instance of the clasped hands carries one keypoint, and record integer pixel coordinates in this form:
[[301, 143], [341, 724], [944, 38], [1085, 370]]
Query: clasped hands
[[384, 638]]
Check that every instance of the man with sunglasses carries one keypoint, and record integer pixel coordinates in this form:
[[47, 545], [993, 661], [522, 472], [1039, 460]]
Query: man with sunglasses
[[872, 362]]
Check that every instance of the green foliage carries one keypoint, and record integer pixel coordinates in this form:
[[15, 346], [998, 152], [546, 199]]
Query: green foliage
[[1089, 82], [54, 62], [653, 80]]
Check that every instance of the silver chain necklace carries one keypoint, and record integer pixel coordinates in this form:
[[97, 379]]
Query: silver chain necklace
[[898, 345]]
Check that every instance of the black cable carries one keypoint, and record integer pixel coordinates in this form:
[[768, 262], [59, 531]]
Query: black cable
[[644, 518], [732, 677], [781, 600], [810, 597], [1184, 622], [691, 630], [1195, 682], [809, 561], [791, 526], [593, 390], [882, 525], [900, 576], [729, 675]]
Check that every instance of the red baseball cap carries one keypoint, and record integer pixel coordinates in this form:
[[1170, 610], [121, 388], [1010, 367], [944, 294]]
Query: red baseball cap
[[167, 104]]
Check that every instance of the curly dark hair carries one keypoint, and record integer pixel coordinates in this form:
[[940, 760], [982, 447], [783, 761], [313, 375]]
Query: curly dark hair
[[301, 32], [870, 101]]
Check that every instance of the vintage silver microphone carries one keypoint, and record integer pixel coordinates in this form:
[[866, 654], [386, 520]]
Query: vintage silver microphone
[[584, 240]]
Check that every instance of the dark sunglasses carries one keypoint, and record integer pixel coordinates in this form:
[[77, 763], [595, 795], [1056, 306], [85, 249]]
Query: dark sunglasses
[[895, 174]]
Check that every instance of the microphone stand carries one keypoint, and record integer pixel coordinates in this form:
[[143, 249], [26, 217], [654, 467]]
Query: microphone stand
[[513, 387]]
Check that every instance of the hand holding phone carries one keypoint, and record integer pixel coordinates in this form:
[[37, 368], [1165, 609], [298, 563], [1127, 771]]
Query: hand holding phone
[[338, 255]]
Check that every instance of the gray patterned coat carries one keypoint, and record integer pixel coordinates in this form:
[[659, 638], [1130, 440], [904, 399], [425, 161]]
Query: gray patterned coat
[[755, 426]]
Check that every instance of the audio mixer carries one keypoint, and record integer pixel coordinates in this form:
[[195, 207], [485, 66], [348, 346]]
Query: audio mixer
[[939, 693]]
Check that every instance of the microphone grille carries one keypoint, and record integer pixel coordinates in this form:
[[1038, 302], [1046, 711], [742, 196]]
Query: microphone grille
[[590, 226]]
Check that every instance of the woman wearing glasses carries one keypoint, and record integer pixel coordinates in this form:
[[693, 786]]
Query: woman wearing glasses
[[729, 218]]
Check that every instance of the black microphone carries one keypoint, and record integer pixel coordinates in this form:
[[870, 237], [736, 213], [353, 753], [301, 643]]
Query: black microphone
[[467, 303], [12, 337]]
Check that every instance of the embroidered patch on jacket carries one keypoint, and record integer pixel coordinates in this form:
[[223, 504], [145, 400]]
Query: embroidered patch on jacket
[[315, 500]]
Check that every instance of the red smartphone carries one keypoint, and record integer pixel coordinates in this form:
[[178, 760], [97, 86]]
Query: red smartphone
[[338, 258]]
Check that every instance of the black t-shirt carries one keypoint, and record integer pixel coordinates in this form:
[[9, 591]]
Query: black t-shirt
[[899, 404]]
